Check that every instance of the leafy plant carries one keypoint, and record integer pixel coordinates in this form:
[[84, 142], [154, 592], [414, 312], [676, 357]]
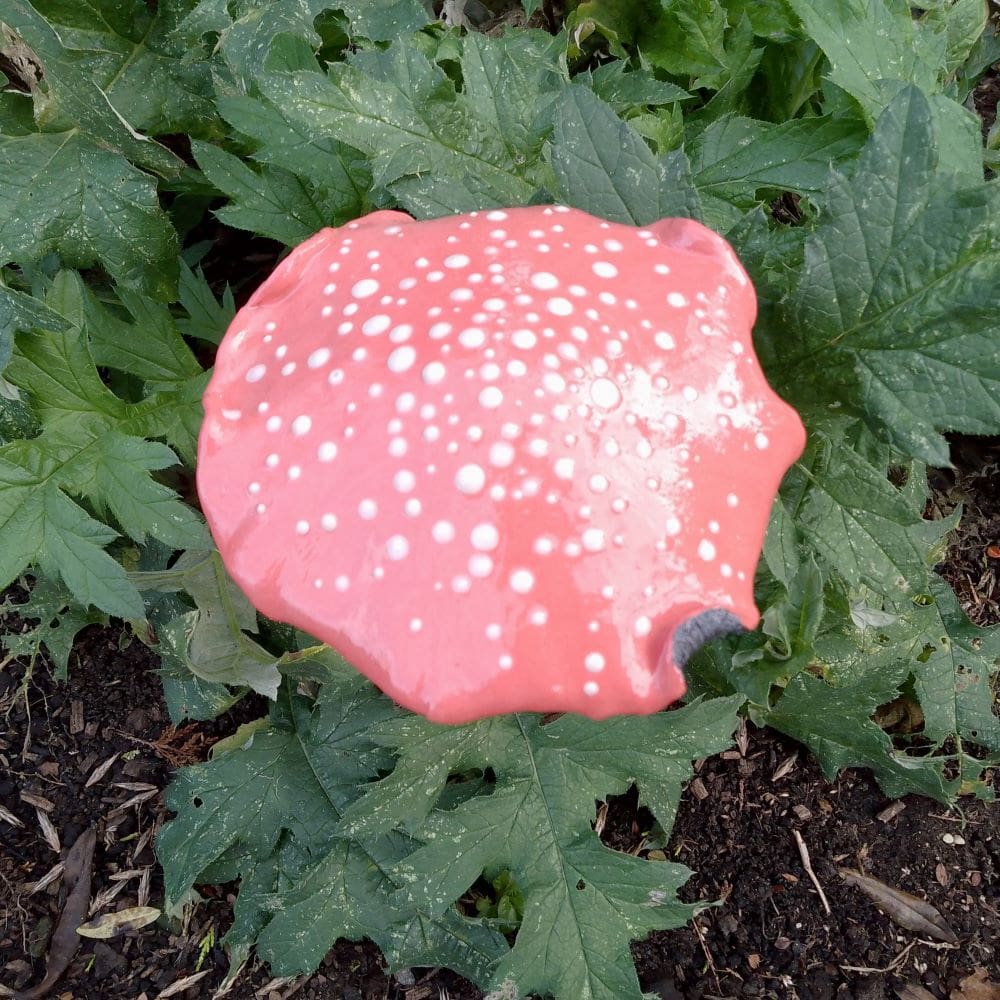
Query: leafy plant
[[828, 141]]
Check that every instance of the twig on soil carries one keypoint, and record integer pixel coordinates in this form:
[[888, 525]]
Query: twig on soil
[[707, 953], [807, 865], [896, 963]]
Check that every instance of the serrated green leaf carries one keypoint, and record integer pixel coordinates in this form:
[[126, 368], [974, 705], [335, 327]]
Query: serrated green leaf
[[212, 639], [603, 166], [867, 41], [303, 886], [857, 522], [59, 617], [40, 524], [74, 96], [207, 317], [835, 723], [114, 472], [21, 312], [893, 303], [426, 143], [271, 202], [65, 193], [583, 902]]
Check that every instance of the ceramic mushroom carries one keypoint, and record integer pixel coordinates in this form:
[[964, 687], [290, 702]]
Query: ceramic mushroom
[[510, 460]]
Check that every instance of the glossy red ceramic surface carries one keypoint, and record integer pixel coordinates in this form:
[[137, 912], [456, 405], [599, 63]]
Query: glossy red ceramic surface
[[497, 459]]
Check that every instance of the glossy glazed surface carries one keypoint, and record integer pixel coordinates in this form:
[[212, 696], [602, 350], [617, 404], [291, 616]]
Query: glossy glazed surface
[[497, 459]]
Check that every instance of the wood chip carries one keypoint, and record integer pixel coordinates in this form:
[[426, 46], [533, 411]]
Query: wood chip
[[49, 833], [698, 789], [54, 873], [118, 923], [38, 801], [101, 770], [802, 812], [785, 767], [136, 800], [181, 985], [891, 811], [8, 817], [941, 874], [135, 786], [75, 717]]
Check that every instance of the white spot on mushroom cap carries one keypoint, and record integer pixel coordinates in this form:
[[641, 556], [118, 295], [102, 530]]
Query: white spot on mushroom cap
[[522, 581], [470, 479], [364, 288]]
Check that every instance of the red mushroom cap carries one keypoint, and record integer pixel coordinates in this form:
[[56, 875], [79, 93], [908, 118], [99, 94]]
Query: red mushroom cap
[[497, 460]]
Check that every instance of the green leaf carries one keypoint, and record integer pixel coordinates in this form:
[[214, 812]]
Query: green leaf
[[40, 524], [271, 202], [834, 721], [384, 20], [271, 809], [583, 902], [736, 157], [953, 663], [207, 317], [603, 166], [212, 639], [625, 89], [858, 523], [426, 143], [115, 474], [73, 96], [868, 41], [59, 618], [892, 315], [65, 193], [127, 50]]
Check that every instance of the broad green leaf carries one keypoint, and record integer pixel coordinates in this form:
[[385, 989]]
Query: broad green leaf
[[384, 20], [893, 315], [128, 52], [271, 810], [603, 166], [954, 663], [689, 40], [867, 41], [65, 193], [736, 157], [625, 89], [271, 201], [426, 143], [73, 98], [212, 639], [40, 524], [834, 721], [961, 23], [583, 902], [858, 523]]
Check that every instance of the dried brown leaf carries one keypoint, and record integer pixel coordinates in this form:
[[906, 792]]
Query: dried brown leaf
[[112, 925], [978, 986], [891, 811], [911, 912]]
